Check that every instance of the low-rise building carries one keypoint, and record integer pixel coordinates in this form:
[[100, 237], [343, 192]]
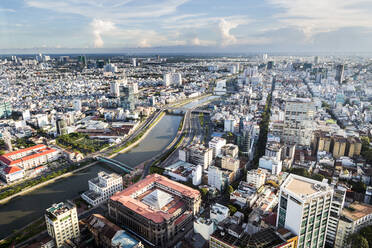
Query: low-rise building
[[219, 212], [30, 157], [157, 209], [102, 188], [271, 164], [256, 178], [12, 173], [205, 227], [107, 234], [353, 218], [183, 171]]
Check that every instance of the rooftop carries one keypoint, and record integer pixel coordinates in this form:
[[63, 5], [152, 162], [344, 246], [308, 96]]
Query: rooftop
[[357, 210], [303, 186], [59, 208], [155, 202]]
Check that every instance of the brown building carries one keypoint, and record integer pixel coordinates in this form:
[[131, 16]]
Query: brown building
[[156, 208], [337, 145], [107, 234]]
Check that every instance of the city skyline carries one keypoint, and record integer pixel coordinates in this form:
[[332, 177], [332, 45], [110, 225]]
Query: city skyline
[[185, 26]]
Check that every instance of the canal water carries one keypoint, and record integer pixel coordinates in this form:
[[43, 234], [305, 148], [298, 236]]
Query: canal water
[[24, 209]]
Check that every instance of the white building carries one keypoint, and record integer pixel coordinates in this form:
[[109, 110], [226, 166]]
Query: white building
[[217, 143], [184, 171], [229, 125], [42, 120], [12, 173], [219, 212], [62, 222], [114, 88], [110, 68], [304, 206], [217, 177], [26, 115], [256, 178], [173, 78], [205, 227], [270, 164], [338, 200], [102, 188]]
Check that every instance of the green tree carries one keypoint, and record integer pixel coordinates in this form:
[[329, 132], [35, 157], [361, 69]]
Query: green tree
[[358, 241], [231, 189]]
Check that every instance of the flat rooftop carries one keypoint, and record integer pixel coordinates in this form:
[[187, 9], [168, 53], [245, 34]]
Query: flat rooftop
[[303, 186], [357, 210]]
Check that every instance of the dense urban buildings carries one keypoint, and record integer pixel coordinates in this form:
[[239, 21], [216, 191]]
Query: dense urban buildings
[[189, 151]]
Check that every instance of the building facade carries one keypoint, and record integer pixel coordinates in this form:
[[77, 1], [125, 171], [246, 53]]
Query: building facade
[[304, 207], [102, 188], [62, 222]]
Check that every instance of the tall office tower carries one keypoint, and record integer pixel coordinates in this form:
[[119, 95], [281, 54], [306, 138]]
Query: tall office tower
[[299, 113], [61, 126], [5, 108], [134, 62], [128, 96], [304, 207], [62, 222], [338, 200], [339, 73], [114, 88], [83, 60]]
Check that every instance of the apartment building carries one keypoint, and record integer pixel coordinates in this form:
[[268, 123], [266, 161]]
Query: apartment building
[[62, 222]]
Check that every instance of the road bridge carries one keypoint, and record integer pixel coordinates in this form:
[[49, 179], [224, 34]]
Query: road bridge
[[116, 163]]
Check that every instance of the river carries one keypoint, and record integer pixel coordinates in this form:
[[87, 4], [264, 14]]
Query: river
[[24, 209]]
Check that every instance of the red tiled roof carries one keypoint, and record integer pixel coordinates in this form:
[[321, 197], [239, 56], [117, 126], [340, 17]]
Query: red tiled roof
[[43, 150], [25, 150], [11, 169], [157, 216]]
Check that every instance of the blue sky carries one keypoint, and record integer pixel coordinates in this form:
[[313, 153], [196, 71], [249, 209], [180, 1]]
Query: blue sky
[[226, 25]]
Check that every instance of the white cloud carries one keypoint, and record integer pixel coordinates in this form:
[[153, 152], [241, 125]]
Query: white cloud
[[100, 27], [144, 43], [318, 16], [225, 27], [7, 10]]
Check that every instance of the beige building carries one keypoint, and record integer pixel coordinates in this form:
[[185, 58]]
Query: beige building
[[230, 163], [62, 222], [230, 150], [353, 218]]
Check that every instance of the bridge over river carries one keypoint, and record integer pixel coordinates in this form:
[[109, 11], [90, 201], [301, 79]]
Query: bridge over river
[[116, 163]]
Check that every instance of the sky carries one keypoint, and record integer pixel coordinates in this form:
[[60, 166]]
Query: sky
[[186, 25]]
